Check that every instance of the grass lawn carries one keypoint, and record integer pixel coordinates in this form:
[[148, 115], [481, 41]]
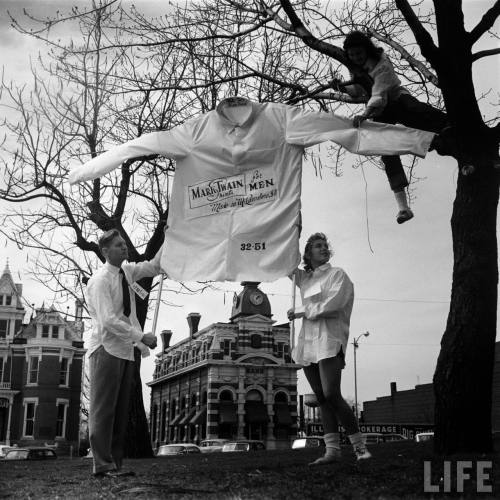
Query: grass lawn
[[395, 471]]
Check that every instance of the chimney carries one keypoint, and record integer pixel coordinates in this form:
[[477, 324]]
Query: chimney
[[193, 320], [166, 335], [393, 389], [78, 310]]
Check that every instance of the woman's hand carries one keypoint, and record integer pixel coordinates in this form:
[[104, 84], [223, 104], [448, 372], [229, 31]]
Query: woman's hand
[[291, 315]]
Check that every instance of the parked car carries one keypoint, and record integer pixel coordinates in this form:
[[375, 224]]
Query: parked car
[[388, 438], [35, 453], [4, 448], [308, 442], [244, 445], [424, 436], [212, 445], [373, 437], [168, 450]]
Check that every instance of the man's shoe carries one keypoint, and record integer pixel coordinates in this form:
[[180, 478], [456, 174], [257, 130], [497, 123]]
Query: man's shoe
[[114, 474], [362, 452], [404, 215], [329, 458]]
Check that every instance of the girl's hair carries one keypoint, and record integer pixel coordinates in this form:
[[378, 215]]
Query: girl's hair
[[307, 250], [360, 39]]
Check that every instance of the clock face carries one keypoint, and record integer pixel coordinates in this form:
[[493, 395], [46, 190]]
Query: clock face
[[256, 298]]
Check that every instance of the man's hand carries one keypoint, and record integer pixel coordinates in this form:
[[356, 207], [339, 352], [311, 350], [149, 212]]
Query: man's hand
[[150, 340], [358, 120]]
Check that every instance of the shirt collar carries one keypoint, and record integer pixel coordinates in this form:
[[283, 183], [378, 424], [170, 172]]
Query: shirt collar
[[323, 267], [112, 269], [236, 101]]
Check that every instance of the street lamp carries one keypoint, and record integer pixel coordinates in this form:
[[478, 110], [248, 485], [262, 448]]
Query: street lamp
[[355, 343]]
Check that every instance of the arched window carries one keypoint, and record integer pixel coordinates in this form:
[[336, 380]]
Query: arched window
[[254, 395], [280, 397], [226, 396]]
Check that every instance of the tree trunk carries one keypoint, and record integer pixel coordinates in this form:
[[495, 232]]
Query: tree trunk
[[138, 439], [463, 377]]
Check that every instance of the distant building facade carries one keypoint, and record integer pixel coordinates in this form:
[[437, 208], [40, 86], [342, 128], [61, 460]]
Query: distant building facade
[[415, 407], [229, 380], [41, 365]]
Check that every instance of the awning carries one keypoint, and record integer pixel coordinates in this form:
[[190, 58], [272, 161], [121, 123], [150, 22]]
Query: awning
[[188, 416], [255, 412], [228, 413], [200, 417], [176, 420], [282, 414]]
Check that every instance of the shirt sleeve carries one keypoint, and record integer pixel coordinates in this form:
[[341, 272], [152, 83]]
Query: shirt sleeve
[[339, 292], [147, 269], [307, 128], [174, 143], [99, 293], [384, 79]]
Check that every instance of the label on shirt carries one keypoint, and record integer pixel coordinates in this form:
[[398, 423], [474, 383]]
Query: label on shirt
[[138, 290], [229, 193]]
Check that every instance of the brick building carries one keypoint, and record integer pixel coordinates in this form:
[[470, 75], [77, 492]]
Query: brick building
[[416, 406], [41, 363], [229, 380]]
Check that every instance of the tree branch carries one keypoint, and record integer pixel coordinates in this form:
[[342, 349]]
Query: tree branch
[[485, 24], [422, 36], [484, 53]]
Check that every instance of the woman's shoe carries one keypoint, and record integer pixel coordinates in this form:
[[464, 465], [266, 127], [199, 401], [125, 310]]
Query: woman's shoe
[[404, 215]]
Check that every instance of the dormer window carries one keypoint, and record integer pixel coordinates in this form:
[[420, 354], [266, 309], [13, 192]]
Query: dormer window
[[55, 332], [45, 331]]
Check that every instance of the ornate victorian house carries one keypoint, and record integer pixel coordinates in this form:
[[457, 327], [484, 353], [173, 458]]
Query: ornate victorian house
[[228, 380], [40, 372]]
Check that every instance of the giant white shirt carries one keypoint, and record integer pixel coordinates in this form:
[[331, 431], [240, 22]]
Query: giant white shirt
[[327, 299], [111, 329], [235, 200]]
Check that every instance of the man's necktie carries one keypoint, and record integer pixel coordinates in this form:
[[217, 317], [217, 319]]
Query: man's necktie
[[126, 294]]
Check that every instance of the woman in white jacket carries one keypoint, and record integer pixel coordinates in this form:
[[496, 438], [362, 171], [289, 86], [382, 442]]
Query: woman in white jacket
[[327, 297]]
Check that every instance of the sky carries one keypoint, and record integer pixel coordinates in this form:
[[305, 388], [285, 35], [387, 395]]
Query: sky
[[401, 273]]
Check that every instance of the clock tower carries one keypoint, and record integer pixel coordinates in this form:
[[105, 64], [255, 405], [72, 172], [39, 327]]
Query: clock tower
[[250, 301]]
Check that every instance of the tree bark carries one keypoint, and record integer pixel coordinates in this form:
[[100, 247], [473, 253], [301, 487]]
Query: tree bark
[[464, 371], [138, 439]]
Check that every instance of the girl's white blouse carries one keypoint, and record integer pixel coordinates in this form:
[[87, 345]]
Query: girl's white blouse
[[327, 299]]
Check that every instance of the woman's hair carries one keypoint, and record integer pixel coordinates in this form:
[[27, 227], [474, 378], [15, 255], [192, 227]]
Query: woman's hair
[[307, 250], [360, 39]]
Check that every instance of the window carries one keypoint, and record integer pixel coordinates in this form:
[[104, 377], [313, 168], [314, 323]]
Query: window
[[8, 300], [45, 331], [226, 347], [256, 341], [1, 369], [62, 411], [280, 349], [29, 417], [64, 372], [33, 370], [55, 332], [4, 328]]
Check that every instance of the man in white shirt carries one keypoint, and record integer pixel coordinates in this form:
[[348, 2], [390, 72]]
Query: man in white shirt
[[115, 329]]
